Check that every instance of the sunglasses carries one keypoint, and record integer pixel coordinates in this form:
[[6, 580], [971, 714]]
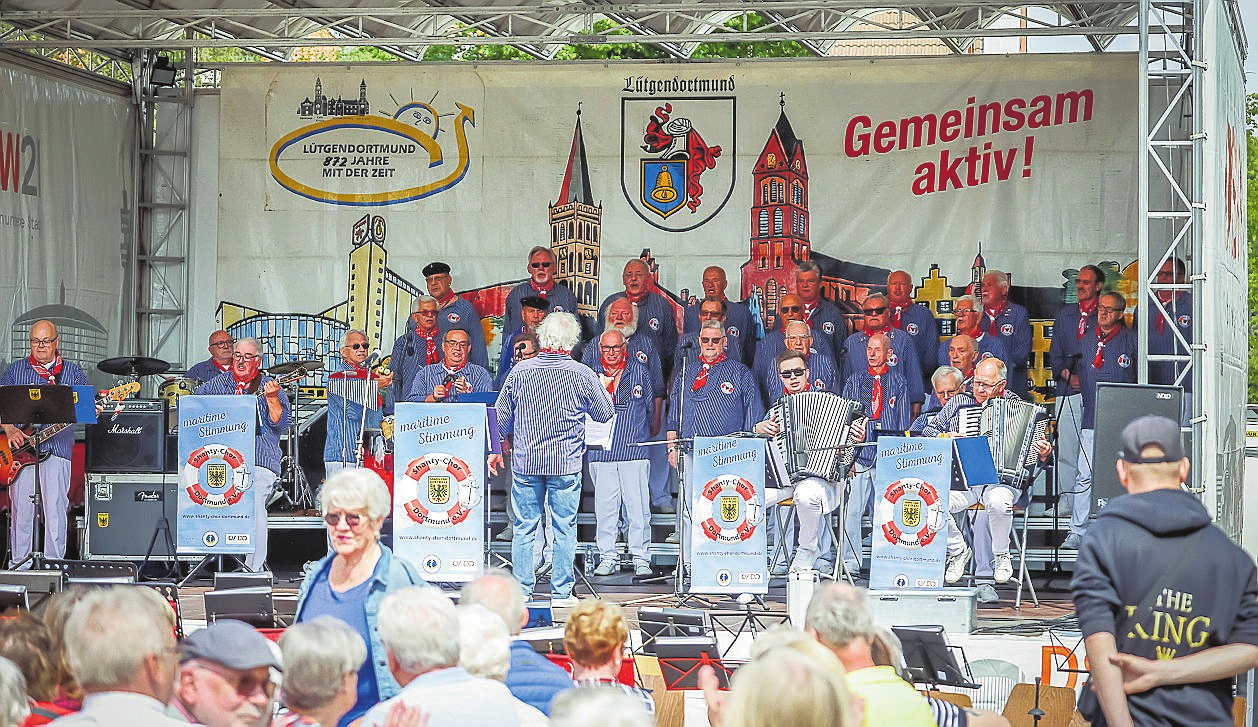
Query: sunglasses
[[791, 308], [874, 311], [539, 266], [352, 519], [358, 346], [704, 339], [791, 373]]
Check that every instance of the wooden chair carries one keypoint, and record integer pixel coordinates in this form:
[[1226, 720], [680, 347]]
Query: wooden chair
[[1058, 704], [961, 700]]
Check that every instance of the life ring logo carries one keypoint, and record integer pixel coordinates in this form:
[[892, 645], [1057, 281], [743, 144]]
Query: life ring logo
[[729, 509], [438, 479], [215, 476], [912, 329], [369, 161], [1006, 329], [910, 513]]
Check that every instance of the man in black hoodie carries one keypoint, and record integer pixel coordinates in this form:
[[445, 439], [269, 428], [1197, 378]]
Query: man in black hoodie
[[1155, 579]]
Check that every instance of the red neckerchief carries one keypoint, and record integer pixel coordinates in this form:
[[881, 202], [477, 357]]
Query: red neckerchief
[[430, 339], [992, 328], [1099, 360], [899, 307], [48, 373], [807, 387], [611, 371], [809, 310], [541, 291], [246, 385], [559, 351], [702, 378], [443, 302], [638, 298], [871, 331], [876, 399], [1160, 324], [1085, 310], [221, 367], [454, 370]]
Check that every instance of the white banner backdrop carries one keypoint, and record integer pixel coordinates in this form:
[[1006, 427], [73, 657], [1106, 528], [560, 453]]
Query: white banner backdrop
[[861, 165], [65, 186]]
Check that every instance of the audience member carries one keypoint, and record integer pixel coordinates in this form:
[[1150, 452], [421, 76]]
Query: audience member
[[594, 638], [24, 640], [485, 651], [60, 606], [224, 679], [14, 706], [817, 696], [531, 677], [321, 661], [120, 642], [887, 651], [419, 628], [602, 706]]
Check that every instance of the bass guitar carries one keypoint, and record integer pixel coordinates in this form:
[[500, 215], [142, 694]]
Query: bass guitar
[[14, 459]]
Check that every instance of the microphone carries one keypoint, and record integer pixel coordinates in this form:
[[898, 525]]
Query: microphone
[[687, 344], [373, 358]]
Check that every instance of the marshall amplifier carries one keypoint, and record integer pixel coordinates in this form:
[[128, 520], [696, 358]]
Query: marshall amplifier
[[133, 441]]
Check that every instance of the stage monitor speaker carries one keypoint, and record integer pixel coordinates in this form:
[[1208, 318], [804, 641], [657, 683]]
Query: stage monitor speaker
[[1117, 405], [133, 441], [122, 510]]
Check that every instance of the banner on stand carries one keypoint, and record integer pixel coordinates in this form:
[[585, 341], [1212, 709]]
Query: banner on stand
[[727, 542], [912, 478], [439, 489], [216, 455]]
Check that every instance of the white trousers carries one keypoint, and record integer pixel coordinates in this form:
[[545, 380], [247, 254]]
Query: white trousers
[[815, 498], [54, 485], [997, 502], [1083, 483], [617, 483], [263, 481]]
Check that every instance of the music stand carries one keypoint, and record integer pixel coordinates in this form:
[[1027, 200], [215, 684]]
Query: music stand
[[252, 605], [35, 404], [929, 659], [657, 623], [162, 526], [682, 658]]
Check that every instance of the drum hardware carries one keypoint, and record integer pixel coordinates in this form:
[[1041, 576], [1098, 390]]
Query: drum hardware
[[300, 494], [170, 390], [133, 366], [308, 365]]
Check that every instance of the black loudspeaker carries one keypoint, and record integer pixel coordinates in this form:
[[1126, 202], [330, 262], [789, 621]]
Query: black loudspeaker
[[133, 441], [122, 510], [1117, 405]]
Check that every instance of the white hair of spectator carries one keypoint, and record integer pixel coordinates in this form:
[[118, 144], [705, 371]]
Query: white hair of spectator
[[419, 625], [353, 332], [837, 612], [776, 637], [602, 706], [499, 592], [1002, 278], [15, 707], [422, 299], [974, 302], [943, 371], [357, 488], [317, 656], [111, 632], [559, 331], [484, 644]]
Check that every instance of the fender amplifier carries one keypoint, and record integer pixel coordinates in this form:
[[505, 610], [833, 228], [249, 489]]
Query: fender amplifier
[[122, 512], [133, 441]]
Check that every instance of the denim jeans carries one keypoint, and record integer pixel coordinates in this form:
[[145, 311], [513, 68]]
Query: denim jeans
[[529, 494]]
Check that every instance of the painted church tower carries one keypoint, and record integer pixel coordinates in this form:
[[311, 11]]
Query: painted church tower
[[779, 218], [576, 228]]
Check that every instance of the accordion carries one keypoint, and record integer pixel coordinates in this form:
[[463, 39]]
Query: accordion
[[814, 430], [1012, 427]]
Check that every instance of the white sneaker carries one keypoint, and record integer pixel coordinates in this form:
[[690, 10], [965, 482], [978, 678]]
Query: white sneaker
[[606, 566], [1002, 568], [955, 569], [642, 568], [985, 593], [564, 602], [1071, 542]]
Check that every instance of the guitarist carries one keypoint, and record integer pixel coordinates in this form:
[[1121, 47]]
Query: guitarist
[[246, 377], [44, 367]]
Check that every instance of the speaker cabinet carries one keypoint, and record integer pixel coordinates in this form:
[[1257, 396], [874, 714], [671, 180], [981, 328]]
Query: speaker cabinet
[[1117, 405], [133, 441], [122, 510]]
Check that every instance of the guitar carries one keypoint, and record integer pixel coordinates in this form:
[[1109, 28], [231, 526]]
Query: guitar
[[14, 459]]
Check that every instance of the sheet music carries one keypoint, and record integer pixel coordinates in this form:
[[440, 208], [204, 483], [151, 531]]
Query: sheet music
[[599, 434]]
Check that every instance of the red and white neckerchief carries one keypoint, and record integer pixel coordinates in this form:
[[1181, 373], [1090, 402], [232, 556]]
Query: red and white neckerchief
[[809, 309], [612, 372], [544, 292], [48, 372], [224, 367], [243, 386], [558, 351], [897, 312], [807, 387], [450, 297], [1085, 310], [1160, 324], [871, 331], [875, 401], [976, 333], [1099, 360], [993, 327], [637, 299], [430, 341], [456, 370], [702, 378]]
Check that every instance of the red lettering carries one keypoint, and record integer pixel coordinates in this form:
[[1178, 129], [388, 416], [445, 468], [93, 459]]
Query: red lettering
[[884, 137], [856, 140], [10, 160], [950, 125]]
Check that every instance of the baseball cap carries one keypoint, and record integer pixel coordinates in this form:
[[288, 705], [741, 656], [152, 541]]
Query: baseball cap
[[1151, 431], [234, 644]]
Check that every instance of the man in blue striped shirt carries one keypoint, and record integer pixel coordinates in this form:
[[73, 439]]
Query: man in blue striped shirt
[[246, 378], [903, 356], [739, 325], [655, 312], [828, 323], [220, 359], [44, 367], [541, 284], [1009, 322], [533, 308], [915, 320], [720, 395], [823, 371], [542, 409], [620, 473], [453, 376], [456, 311], [345, 418], [419, 346]]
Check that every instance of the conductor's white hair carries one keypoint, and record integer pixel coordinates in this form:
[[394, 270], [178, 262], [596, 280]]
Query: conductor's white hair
[[559, 331]]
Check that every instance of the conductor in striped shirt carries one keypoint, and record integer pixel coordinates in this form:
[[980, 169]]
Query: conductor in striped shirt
[[542, 408]]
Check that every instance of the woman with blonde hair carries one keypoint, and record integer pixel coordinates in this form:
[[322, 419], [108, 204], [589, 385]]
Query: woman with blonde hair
[[817, 695], [594, 638]]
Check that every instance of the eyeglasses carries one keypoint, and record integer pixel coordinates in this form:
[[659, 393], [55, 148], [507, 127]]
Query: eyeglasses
[[948, 394], [791, 308], [522, 349], [966, 312], [457, 344], [425, 313], [224, 344], [244, 684], [704, 339], [1107, 309], [358, 346], [799, 337], [352, 519], [539, 266], [874, 311], [980, 384], [43, 341], [245, 356], [792, 373], [612, 348]]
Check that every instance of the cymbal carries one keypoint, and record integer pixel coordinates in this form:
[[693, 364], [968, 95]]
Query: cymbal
[[284, 369], [133, 366]]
